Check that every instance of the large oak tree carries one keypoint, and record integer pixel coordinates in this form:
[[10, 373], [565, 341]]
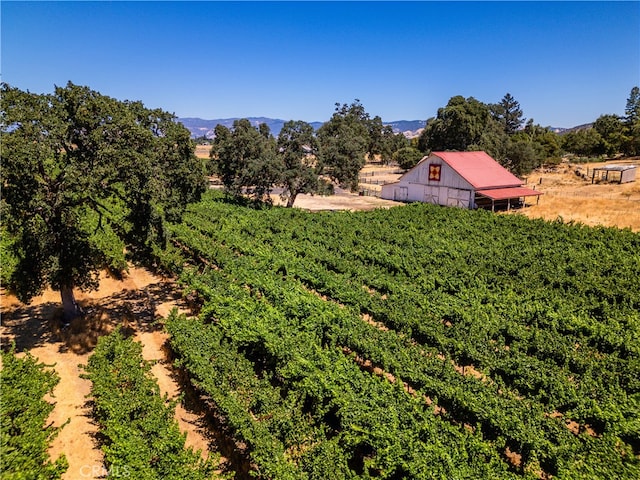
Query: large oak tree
[[300, 162], [84, 176], [245, 159], [463, 124], [345, 140]]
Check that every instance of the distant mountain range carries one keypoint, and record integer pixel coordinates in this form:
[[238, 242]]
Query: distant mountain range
[[204, 128], [562, 131], [410, 128]]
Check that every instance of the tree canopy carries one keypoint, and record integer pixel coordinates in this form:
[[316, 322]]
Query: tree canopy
[[345, 141], [298, 150], [407, 157], [611, 134], [84, 176], [460, 125], [244, 158], [632, 108], [467, 124], [249, 161]]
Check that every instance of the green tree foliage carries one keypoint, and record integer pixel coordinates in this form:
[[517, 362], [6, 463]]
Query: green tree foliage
[[546, 142], [585, 142], [345, 141], [383, 143], [24, 435], [8, 258], [612, 130], [468, 124], [408, 157], [250, 161], [611, 134], [84, 175], [632, 109], [298, 150], [461, 125], [508, 113], [521, 156], [245, 159], [631, 144], [529, 148], [379, 135]]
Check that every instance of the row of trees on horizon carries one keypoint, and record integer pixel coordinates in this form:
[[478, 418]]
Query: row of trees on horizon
[[300, 160]]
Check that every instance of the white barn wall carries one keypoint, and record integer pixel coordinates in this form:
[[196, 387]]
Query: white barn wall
[[415, 186]]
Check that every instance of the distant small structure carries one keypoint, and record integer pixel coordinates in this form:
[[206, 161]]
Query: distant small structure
[[619, 173]]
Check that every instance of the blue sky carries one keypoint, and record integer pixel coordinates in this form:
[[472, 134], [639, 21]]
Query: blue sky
[[565, 62]]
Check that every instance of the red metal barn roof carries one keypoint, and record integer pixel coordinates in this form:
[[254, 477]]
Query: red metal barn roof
[[479, 169]]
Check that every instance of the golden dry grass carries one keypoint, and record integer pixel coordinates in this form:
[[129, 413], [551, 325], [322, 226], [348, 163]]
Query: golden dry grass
[[202, 151], [569, 194]]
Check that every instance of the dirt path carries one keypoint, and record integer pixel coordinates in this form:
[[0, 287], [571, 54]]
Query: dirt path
[[77, 439], [133, 302]]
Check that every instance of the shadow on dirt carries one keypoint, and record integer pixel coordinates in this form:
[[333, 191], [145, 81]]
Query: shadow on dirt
[[133, 310], [27, 326]]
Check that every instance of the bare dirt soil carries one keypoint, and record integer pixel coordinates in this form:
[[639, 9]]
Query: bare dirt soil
[[135, 303], [340, 201]]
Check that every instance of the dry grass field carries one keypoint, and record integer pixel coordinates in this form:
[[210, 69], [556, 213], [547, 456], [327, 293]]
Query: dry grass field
[[568, 193], [202, 151]]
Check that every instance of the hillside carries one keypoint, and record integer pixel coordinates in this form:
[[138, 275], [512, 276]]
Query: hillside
[[563, 131]]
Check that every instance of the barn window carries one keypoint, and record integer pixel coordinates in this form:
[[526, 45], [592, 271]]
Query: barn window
[[434, 172]]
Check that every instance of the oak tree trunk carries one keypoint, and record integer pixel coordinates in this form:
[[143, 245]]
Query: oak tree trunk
[[291, 199], [70, 306]]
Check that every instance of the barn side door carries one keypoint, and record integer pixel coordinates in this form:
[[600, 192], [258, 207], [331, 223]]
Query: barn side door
[[431, 195], [401, 194]]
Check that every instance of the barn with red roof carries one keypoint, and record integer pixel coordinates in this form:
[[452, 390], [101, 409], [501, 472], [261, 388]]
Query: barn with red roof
[[460, 179]]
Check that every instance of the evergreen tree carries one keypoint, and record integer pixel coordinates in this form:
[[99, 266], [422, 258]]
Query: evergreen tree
[[508, 113], [631, 143], [632, 109]]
